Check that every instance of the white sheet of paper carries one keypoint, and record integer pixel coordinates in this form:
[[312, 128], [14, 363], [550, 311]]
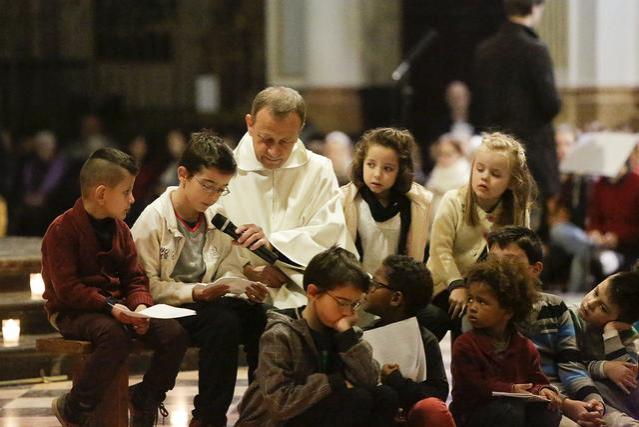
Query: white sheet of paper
[[237, 285], [529, 397], [600, 154], [401, 343], [163, 311]]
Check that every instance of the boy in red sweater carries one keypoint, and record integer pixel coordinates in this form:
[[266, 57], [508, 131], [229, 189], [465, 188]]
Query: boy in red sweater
[[494, 357], [92, 281]]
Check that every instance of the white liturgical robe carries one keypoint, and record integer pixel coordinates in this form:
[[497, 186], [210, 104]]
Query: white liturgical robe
[[298, 205]]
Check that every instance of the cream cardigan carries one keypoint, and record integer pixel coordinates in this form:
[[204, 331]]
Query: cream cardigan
[[455, 246], [420, 199]]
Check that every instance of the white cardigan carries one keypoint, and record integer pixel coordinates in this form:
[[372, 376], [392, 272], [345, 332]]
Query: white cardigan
[[420, 204], [159, 244]]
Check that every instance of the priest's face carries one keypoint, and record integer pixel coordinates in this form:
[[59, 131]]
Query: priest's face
[[273, 137]]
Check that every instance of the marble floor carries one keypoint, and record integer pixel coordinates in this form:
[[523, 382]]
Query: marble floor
[[26, 406]]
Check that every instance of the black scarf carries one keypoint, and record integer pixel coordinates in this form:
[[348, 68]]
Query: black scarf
[[398, 203]]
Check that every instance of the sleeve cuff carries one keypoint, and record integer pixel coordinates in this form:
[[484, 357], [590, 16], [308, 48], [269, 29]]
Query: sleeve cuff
[[345, 340], [455, 284], [611, 333], [185, 293], [132, 301]]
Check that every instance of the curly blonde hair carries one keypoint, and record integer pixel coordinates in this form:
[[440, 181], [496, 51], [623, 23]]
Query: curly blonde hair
[[399, 140], [511, 283], [522, 189]]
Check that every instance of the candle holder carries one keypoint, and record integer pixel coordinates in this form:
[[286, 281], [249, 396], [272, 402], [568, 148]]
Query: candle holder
[[10, 332], [37, 286]]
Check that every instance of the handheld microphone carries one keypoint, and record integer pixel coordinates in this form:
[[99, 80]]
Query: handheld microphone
[[225, 225]]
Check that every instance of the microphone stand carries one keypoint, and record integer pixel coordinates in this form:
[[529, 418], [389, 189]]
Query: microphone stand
[[401, 77]]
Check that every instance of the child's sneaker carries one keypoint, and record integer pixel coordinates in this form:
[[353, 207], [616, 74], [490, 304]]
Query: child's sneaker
[[145, 415], [61, 411]]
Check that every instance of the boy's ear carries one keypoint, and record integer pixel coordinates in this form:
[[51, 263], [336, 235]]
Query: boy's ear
[[312, 290], [100, 193], [182, 174], [397, 299], [536, 268]]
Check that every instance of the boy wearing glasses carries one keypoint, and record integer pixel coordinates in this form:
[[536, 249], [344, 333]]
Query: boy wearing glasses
[[315, 369], [182, 253], [401, 287]]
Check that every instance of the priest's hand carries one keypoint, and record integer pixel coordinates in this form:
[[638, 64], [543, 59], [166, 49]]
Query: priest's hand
[[252, 237], [270, 275]]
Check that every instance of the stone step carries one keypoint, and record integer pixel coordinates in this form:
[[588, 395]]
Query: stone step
[[19, 305], [19, 256], [24, 361]]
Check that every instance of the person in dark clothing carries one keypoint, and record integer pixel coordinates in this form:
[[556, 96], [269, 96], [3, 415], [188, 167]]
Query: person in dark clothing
[[93, 283], [514, 91], [402, 286]]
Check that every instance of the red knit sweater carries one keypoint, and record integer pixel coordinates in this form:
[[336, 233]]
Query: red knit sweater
[[78, 275], [478, 371], [614, 207]]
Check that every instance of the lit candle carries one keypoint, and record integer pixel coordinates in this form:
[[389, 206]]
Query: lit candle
[[37, 285], [11, 331]]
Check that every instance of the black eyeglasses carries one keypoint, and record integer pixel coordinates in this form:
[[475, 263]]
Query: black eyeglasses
[[344, 304], [377, 285], [210, 188]]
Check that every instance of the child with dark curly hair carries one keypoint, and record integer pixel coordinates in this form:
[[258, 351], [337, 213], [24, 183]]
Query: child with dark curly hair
[[386, 212], [494, 357]]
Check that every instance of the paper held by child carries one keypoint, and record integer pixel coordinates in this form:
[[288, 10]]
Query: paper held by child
[[237, 285], [400, 343], [529, 397], [162, 311]]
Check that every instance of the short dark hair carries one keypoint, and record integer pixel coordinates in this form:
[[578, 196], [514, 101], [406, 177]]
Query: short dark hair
[[205, 150], [399, 140], [526, 239], [509, 280], [333, 268], [520, 7], [624, 292], [106, 166], [412, 279]]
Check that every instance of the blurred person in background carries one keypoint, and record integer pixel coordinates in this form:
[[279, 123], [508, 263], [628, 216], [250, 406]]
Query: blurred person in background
[[339, 149], [40, 176], [175, 145], [451, 171], [514, 92]]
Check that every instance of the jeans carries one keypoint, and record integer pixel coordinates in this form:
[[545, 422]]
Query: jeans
[[352, 407], [218, 329], [575, 242], [112, 343]]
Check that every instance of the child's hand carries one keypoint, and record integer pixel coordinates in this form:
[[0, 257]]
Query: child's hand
[[119, 311], [388, 369], [521, 388], [586, 414], [209, 292], [553, 397], [617, 325], [256, 292], [345, 323], [457, 302], [624, 374]]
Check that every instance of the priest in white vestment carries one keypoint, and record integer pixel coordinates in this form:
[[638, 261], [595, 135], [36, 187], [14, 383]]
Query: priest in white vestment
[[284, 196]]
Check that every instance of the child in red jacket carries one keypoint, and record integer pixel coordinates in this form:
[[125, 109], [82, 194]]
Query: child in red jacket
[[93, 281], [493, 357]]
